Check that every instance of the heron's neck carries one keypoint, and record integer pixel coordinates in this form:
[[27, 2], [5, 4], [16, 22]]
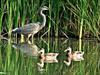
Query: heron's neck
[[44, 18]]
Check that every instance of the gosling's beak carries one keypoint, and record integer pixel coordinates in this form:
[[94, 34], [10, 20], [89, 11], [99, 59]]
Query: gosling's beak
[[47, 8], [82, 53], [82, 58], [68, 49]]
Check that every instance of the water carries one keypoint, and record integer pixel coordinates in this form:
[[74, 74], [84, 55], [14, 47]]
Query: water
[[22, 58]]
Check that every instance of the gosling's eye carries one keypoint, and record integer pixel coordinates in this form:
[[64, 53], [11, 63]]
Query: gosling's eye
[[40, 52], [79, 52], [68, 51]]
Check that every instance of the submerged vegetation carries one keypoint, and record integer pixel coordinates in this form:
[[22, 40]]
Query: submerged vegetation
[[75, 18]]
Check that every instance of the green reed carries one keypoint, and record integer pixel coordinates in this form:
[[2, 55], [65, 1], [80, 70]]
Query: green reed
[[2, 12], [77, 18], [81, 20], [0, 55], [1, 17], [8, 55]]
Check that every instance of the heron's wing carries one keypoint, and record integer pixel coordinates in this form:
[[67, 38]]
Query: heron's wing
[[28, 28]]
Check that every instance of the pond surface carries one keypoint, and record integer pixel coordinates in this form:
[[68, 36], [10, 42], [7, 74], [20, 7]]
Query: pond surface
[[22, 59]]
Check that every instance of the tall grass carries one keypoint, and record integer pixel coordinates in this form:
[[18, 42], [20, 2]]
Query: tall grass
[[82, 16], [1, 17], [10, 22], [79, 18]]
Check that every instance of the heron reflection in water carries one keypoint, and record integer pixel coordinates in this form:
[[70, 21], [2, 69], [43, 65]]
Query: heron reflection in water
[[46, 58], [27, 48], [32, 28], [75, 56]]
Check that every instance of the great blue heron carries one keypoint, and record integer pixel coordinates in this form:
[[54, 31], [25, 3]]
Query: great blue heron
[[32, 28]]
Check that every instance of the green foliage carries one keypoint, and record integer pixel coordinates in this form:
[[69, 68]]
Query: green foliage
[[79, 17]]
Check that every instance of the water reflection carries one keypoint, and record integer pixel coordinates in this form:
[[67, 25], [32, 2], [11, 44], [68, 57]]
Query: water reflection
[[26, 47], [15, 63], [75, 56]]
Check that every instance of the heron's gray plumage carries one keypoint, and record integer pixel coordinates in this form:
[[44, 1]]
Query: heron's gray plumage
[[29, 49], [32, 28], [28, 29]]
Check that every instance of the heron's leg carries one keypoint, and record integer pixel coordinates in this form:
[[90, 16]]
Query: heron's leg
[[28, 37], [32, 38], [29, 42]]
